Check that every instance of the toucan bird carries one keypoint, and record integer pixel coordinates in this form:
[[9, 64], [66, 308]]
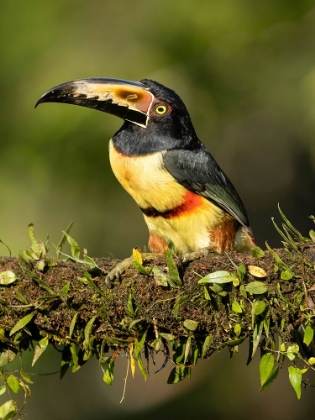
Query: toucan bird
[[186, 199]]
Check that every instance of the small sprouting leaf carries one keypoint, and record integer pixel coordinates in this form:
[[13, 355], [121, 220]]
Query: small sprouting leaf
[[8, 410], [63, 239], [256, 288], [206, 345], [137, 261], [308, 335], [130, 308], [20, 297], [257, 252], [137, 256], [295, 377], [190, 324], [187, 349], [312, 235], [37, 246], [167, 336], [218, 277], [87, 332], [13, 383], [21, 323], [236, 307], [259, 307], [174, 280], [256, 337], [160, 278], [3, 388], [286, 275], [292, 351], [64, 292], [74, 246], [7, 277], [176, 308], [241, 271], [243, 291], [108, 376], [72, 324], [178, 374], [41, 346], [237, 330], [256, 271], [311, 361], [26, 377]]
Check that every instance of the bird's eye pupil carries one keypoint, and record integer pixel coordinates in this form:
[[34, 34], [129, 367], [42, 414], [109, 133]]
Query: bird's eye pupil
[[161, 109]]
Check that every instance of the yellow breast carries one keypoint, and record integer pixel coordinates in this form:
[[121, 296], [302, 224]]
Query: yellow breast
[[144, 178]]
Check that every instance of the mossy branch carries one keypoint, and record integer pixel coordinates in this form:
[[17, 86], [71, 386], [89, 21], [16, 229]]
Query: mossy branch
[[208, 303]]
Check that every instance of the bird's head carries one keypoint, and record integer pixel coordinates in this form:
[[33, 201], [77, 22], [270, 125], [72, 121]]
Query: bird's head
[[148, 108]]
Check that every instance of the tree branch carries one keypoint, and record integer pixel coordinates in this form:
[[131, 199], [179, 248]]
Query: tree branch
[[67, 303]]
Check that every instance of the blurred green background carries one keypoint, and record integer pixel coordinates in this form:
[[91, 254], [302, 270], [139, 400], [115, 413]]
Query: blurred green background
[[246, 71]]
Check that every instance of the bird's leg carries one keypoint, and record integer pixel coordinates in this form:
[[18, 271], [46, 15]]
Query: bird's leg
[[121, 267], [191, 256]]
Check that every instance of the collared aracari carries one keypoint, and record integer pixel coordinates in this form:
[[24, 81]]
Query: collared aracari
[[185, 197]]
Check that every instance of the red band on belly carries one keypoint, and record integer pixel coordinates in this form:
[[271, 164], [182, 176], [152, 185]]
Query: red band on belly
[[191, 202]]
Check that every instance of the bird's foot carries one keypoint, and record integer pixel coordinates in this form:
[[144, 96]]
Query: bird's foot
[[191, 256], [116, 272]]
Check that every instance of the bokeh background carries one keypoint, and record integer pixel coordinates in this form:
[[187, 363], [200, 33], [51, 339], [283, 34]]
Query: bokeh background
[[246, 71]]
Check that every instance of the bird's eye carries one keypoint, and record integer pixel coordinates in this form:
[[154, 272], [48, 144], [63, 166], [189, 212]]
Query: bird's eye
[[161, 109]]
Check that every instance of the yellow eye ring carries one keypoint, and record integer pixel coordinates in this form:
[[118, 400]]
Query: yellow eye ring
[[161, 109]]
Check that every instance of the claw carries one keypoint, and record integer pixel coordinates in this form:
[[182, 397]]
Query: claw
[[194, 255], [116, 272]]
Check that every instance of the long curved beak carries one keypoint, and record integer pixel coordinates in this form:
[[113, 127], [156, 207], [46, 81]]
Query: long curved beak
[[125, 99]]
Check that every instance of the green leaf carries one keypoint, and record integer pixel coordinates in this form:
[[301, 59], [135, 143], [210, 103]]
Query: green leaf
[[87, 332], [292, 351], [256, 287], [178, 374], [13, 383], [190, 324], [259, 307], [257, 252], [21, 323], [26, 377], [167, 336], [295, 377], [206, 345], [72, 324], [41, 346], [36, 245], [187, 349], [161, 279], [308, 335], [286, 275], [108, 376], [74, 246], [265, 367], [64, 292], [237, 329], [176, 308], [130, 310], [312, 235], [270, 378], [39, 281], [218, 277], [243, 291], [241, 271], [63, 240], [256, 337], [3, 389], [8, 410], [7, 277], [20, 297], [174, 280], [236, 307]]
